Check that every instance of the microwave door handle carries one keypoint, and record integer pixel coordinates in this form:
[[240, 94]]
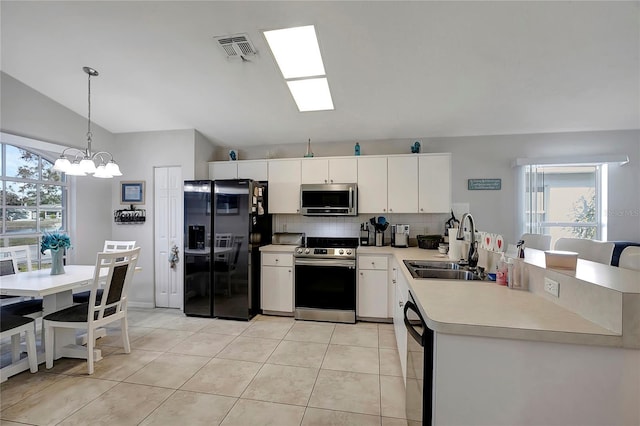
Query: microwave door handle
[[409, 305], [350, 198]]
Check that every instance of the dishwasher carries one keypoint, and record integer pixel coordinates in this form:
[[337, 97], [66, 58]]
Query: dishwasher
[[420, 356]]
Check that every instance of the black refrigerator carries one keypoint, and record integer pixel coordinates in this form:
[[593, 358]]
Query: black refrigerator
[[225, 223]]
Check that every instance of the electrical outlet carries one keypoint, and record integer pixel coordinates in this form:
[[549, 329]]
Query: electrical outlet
[[552, 287]]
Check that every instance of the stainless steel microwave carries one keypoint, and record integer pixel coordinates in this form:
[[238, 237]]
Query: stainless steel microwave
[[334, 199]]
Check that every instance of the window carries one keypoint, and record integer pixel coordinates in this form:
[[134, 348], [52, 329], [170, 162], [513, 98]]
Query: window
[[565, 201], [33, 199]]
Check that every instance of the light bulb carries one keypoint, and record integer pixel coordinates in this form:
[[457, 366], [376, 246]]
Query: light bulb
[[62, 164], [87, 166], [101, 172], [113, 169]]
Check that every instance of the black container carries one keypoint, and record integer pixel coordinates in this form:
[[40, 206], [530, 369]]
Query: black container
[[430, 242]]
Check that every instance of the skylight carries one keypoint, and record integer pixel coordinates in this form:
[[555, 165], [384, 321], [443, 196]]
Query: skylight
[[297, 53]]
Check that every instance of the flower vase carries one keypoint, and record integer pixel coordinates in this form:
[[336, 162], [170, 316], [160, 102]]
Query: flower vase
[[57, 264]]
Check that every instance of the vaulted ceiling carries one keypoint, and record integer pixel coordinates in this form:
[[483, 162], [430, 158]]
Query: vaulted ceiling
[[396, 69]]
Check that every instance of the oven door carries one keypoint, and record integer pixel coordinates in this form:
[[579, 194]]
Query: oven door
[[325, 285]]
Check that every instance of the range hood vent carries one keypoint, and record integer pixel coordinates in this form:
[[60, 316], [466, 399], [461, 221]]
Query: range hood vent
[[236, 46]]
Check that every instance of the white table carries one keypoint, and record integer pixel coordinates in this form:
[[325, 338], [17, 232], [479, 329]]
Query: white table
[[56, 293]]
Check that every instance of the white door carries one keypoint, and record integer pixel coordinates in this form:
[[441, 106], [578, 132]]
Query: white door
[[284, 186], [402, 189], [168, 218], [434, 173], [372, 184]]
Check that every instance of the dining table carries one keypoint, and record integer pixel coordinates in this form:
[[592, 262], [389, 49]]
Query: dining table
[[57, 293]]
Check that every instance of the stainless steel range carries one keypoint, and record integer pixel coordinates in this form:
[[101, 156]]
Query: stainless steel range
[[325, 280]]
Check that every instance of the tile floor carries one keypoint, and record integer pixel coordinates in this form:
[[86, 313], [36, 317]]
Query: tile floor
[[192, 371]]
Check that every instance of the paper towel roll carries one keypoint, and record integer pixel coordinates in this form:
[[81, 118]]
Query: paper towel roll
[[455, 246]]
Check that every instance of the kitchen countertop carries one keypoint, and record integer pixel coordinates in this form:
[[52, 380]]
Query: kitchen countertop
[[279, 248]]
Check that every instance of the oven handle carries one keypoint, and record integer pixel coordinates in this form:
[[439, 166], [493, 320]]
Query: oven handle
[[326, 262], [410, 306]]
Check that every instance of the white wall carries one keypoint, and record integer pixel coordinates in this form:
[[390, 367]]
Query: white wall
[[203, 153], [492, 157], [138, 154]]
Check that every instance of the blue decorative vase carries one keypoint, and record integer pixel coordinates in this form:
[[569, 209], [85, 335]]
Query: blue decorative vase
[[57, 262]]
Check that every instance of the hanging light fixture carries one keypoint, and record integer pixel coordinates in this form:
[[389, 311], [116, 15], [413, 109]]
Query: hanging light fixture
[[76, 162]]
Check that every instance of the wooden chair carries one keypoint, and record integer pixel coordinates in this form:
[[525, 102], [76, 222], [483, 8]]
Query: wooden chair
[[11, 259], [593, 250], [117, 268], [630, 258], [12, 326], [109, 247], [537, 241]]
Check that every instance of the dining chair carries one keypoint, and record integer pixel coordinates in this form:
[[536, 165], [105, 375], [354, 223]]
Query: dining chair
[[228, 267], [116, 270], [223, 240], [11, 259], [537, 241], [593, 250], [109, 247], [630, 258], [12, 326]]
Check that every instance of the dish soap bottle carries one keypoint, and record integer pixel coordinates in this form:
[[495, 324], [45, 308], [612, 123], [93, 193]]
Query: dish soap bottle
[[502, 272]]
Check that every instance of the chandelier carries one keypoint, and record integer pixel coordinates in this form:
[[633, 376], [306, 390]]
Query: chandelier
[[76, 162]]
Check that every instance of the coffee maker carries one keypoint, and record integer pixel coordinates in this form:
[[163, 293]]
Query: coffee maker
[[400, 235], [364, 234]]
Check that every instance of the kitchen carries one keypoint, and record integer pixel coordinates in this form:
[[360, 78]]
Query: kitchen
[[487, 148]]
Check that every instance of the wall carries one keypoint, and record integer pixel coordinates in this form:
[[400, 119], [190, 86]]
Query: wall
[[203, 153], [492, 157], [138, 154], [30, 114]]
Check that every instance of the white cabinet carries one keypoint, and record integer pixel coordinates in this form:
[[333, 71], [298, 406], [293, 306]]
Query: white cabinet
[[246, 169], [253, 169], [276, 290], [373, 285], [402, 190], [223, 170], [284, 186], [329, 170], [401, 293], [372, 184], [434, 183]]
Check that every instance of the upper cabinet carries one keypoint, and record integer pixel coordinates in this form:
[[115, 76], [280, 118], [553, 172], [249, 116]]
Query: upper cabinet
[[248, 169], [402, 181], [434, 183], [329, 170], [284, 186], [372, 184]]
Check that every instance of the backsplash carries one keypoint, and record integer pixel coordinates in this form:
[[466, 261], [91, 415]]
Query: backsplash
[[349, 226]]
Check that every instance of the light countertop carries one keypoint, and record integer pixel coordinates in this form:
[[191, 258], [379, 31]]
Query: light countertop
[[278, 248]]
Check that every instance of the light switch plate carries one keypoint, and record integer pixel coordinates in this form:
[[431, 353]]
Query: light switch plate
[[552, 287]]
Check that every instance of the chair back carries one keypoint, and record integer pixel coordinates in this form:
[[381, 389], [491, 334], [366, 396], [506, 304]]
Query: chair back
[[116, 270], [630, 258], [223, 240], [537, 241], [8, 265], [20, 254], [593, 250], [110, 246]]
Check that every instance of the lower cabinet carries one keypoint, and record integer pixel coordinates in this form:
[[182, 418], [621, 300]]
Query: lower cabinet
[[276, 290], [401, 293], [373, 285]]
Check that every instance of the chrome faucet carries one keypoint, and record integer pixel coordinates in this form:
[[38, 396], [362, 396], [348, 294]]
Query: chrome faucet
[[472, 259]]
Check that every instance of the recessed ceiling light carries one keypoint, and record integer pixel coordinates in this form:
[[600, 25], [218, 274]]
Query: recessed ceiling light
[[296, 51], [311, 94]]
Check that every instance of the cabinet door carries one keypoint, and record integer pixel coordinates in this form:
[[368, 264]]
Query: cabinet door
[[256, 170], [372, 293], [434, 183], [223, 170], [372, 184], [343, 170], [284, 186], [277, 289], [314, 170], [402, 190]]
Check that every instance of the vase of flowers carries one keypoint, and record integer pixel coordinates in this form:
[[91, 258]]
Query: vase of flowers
[[56, 243]]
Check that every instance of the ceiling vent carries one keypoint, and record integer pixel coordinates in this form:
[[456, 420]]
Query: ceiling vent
[[236, 46]]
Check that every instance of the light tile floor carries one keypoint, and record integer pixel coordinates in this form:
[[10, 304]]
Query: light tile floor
[[197, 371]]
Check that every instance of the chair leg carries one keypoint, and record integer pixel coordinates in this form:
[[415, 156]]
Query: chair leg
[[91, 341], [15, 348], [125, 334], [49, 347], [32, 355]]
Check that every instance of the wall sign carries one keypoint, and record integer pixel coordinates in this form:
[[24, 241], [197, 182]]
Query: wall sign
[[484, 184]]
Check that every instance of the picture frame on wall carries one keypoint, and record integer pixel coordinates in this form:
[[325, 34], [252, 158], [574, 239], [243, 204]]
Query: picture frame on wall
[[132, 192]]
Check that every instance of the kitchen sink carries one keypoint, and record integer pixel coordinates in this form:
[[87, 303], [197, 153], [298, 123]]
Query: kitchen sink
[[428, 264], [439, 270]]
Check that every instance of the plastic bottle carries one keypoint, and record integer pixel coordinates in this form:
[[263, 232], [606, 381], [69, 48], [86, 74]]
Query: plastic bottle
[[357, 149], [502, 272]]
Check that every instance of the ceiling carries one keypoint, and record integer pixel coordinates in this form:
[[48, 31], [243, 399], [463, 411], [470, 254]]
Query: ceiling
[[396, 69]]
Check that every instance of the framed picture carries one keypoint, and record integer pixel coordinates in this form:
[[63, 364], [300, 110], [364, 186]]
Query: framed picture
[[132, 192]]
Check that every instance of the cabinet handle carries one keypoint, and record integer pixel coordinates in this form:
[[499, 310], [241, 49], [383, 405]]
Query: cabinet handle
[[384, 210], [421, 210], [277, 260], [390, 210], [289, 270], [373, 263], [331, 180], [361, 273], [401, 304], [325, 181]]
